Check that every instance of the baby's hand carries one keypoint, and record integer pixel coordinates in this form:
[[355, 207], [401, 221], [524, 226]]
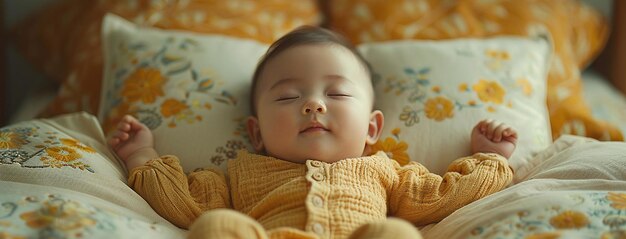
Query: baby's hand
[[490, 136], [133, 142]]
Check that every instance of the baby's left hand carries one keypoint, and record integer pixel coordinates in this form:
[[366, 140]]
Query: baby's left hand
[[490, 136]]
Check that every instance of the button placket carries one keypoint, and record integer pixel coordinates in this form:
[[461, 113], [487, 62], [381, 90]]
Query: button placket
[[318, 201], [318, 176], [317, 220], [318, 229], [316, 164]]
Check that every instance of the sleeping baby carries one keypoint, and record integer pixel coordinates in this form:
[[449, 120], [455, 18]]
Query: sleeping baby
[[315, 176]]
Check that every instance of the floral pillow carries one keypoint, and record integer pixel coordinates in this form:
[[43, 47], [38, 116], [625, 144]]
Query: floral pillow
[[69, 143], [191, 90], [58, 179], [432, 93], [578, 33]]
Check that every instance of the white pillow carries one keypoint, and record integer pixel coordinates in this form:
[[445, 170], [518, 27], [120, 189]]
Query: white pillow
[[432, 93], [195, 89]]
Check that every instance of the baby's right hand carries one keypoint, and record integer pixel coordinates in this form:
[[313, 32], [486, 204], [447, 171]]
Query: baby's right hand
[[133, 142]]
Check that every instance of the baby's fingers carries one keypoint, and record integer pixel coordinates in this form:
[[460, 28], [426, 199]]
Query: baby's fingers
[[491, 130], [510, 135], [483, 126], [123, 126], [120, 136], [499, 133], [113, 141]]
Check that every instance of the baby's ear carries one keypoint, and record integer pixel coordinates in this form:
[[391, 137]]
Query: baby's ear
[[375, 127], [254, 132]]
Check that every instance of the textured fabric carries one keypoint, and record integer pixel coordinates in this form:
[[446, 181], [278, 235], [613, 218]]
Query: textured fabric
[[331, 200]]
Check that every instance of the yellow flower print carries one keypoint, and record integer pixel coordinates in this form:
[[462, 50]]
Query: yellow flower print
[[545, 235], [489, 91], [498, 55], [145, 85], [395, 150], [64, 154], [59, 215], [77, 145], [569, 219], [527, 88], [395, 132], [439, 108], [172, 107], [11, 140], [4, 235], [436, 89], [463, 87], [618, 200]]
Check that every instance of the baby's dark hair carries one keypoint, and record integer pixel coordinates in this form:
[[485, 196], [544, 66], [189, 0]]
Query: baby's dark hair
[[303, 35]]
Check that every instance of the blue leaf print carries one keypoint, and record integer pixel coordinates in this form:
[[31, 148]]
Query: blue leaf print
[[409, 71], [184, 68], [137, 46]]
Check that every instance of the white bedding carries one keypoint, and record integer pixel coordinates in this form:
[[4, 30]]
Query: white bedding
[[576, 190]]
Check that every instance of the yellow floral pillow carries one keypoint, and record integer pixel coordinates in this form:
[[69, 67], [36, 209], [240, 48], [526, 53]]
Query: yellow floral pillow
[[68, 143], [432, 93], [577, 31], [191, 90], [64, 39]]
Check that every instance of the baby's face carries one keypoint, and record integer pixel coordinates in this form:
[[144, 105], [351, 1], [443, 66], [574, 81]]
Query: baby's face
[[314, 102]]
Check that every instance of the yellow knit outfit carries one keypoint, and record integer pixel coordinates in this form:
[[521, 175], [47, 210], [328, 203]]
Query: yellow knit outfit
[[317, 199]]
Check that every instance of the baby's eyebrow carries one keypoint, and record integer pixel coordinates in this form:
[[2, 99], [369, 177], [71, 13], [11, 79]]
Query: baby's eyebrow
[[289, 80], [283, 82], [336, 77]]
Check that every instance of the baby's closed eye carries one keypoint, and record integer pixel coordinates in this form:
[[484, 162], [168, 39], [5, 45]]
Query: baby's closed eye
[[336, 94], [287, 97]]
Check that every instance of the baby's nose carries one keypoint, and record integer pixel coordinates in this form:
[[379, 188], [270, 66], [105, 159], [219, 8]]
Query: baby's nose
[[314, 106]]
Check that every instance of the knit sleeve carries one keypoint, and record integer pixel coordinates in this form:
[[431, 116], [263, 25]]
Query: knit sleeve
[[423, 198], [175, 196]]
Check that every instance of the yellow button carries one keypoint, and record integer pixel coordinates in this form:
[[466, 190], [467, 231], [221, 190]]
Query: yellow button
[[318, 176], [316, 164], [318, 228], [318, 201]]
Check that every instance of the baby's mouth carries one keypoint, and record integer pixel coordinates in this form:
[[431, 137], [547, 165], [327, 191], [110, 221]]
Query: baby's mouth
[[314, 127]]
